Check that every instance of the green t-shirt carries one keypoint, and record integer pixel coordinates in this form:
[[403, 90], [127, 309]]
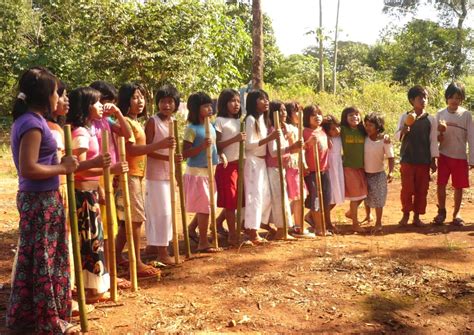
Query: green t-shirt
[[353, 147]]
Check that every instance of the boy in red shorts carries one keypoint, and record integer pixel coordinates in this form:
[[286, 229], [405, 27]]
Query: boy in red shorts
[[455, 131]]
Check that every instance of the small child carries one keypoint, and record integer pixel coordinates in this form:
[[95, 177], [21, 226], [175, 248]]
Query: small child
[[456, 129], [375, 150], [196, 178], [418, 133]]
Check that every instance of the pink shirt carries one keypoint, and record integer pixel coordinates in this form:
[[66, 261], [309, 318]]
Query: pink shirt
[[83, 138], [157, 169], [323, 149]]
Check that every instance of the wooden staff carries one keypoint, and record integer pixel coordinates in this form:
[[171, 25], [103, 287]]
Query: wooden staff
[[179, 179], [173, 197], [110, 227], [76, 242], [319, 187], [210, 171], [240, 185], [301, 169], [132, 260], [276, 121]]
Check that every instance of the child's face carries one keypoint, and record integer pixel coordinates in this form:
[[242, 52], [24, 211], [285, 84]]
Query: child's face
[[282, 113], [63, 105], [370, 128], [353, 119], [205, 110], [53, 99], [295, 117], [454, 101], [96, 111], [263, 104], [419, 103], [137, 103], [315, 120], [334, 131], [166, 106], [233, 106]]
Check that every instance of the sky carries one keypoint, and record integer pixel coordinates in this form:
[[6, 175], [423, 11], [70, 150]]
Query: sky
[[359, 20]]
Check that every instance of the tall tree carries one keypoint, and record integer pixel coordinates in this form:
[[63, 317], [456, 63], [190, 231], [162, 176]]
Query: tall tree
[[257, 45], [334, 69], [321, 47]]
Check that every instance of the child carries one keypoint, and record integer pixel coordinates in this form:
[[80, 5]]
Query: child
[[375, 149], [287, 147], [228, 138], [313, 134], [40, 299], [355, 182], [85, 107], [132, 104], [458, 130], [196, 178], [332, 128], [418, 153], [158, 225], [257, 188]]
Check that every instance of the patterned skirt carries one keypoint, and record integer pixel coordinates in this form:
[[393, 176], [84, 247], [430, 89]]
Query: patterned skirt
[[41, 294]]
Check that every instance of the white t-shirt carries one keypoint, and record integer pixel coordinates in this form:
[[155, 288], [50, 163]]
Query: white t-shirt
[[375, 153], [251, 143], [229, 128]]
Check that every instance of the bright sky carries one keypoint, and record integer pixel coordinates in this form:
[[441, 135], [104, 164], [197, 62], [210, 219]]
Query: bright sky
[[359, 20]]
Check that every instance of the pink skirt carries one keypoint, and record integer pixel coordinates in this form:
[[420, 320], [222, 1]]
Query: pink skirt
[[293, 184], [355, 183], [196, 190], [226, 185]]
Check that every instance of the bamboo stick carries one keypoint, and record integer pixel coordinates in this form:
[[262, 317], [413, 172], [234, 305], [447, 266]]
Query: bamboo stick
[[210, 171], [76, 242], [240, 185], [110, 227], [301, 169], [179, 178], [173, 196], [132, 260], [276, 121], [319, 187]]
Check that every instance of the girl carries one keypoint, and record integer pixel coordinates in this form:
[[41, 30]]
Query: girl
[[196, 180], [157, 196], [313, 134], [228, 137], [256, 184], [131, 102], [40, 299], [287, 147], [85, 107], [375, 150], [332, 129], [355, 182]]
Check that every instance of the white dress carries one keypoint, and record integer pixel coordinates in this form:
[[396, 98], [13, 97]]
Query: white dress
[[336, 172]]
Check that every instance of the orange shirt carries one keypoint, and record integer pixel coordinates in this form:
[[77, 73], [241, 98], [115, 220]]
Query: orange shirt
[[136, 164]]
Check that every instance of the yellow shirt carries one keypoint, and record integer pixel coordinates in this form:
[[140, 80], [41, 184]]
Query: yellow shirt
[[136, 164]]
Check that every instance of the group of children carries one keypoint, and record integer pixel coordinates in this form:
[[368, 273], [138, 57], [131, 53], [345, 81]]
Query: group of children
[[340, 161]]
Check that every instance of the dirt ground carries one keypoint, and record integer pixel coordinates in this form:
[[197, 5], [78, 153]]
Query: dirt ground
[[407, 281]]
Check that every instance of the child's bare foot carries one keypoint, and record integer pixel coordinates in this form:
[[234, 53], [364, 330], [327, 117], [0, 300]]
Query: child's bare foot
[[377, 229], [367, 219], [356, 228], [418, 223], [404, 220]]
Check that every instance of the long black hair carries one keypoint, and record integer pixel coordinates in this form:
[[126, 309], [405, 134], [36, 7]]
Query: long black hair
[[80, 100], [227, 95], [251, 105], [126, 92]]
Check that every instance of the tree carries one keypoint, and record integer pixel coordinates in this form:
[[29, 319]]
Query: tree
[[321, 47], [257, 45], [334, 71]]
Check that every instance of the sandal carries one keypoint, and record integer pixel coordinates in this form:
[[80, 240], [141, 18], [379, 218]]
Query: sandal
[[68, 328], [259, 241], [439, 219], [75, 308], [123, 283], [96, 298], [209, 250], [458, 222], [149, 272]]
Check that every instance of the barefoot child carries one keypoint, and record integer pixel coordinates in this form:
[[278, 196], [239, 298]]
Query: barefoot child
[[40, 299], [418, 133], [196, 178], [228, 141], [256, 184], [458, 131], [313, 134], [158, 225], [375, 150]]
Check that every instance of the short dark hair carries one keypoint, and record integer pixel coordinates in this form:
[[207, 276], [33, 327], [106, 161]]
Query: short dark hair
[[80, 100], [195, 101], [291, 108], [168, 91], [275, 105], [227, 95], [345, 113], [417, 91], [126, 92], [377, 119], [455, 88], [309, 111], [38, 85], [107, 90], [328, 121]]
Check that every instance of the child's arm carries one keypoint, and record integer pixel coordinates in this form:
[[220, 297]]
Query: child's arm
[[92, 167], [122, 128], [189, 151], [222, 144], [402, 128], [251, 141], [433, 142], [391, 166], [150, 147], [470, 139]]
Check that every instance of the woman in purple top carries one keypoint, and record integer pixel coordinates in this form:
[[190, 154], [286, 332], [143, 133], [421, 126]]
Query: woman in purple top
[[40, 299]]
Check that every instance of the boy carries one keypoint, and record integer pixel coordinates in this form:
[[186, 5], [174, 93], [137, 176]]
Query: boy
[[418, 153], [456, 129]]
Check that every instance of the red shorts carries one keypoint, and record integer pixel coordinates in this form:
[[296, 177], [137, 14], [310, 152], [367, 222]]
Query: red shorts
[[456, 168], [226, 185]]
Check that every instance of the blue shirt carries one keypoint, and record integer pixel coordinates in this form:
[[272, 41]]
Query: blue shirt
[[196, 134]]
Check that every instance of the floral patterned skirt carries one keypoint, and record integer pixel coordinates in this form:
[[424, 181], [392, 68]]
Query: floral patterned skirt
[[41, 294]]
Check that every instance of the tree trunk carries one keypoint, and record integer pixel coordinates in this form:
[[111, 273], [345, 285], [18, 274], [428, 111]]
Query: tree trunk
[[457, 71], [320, 36], [257, 45], [334, 69]]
